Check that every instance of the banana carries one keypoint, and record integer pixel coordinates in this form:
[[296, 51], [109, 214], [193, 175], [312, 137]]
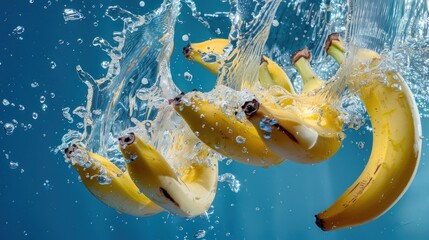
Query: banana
[[301, 61], [205, 54], [188, 196], [226, 134], [303, 131], [116, 189], [396, 144]]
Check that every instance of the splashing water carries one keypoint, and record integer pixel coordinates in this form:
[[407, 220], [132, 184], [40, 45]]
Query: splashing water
[[134, 93]]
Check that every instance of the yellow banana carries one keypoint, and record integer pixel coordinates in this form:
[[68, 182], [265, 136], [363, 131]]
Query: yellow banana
[[304, 131], [396, 145], [188, 196], [301, 61], [224, 133], [205, 54], [116, 189]]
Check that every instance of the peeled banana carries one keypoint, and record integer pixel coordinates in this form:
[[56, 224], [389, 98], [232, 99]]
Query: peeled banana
[[396, 145], [187, 196], [109, 184], [205, 54]]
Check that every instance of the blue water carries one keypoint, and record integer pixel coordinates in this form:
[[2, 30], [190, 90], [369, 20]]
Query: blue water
[[41, 198]]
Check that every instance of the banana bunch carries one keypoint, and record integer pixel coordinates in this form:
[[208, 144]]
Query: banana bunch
[[307, 128], [288, 127], [265, 128], [150, 183]]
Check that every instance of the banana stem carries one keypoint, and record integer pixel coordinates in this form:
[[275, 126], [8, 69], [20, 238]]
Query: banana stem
[[337, 53], [334, 47], [301, 61]]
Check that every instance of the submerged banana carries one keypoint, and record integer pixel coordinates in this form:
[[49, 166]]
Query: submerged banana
[[109, 184], [205, 54], [304, 131], [396, 145], [188, 196], [225, 134]]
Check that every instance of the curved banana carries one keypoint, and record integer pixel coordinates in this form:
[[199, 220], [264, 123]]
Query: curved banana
[[225, 134], [304, 131], [109, 184], [188, 196], [205, 54], [396, 145]]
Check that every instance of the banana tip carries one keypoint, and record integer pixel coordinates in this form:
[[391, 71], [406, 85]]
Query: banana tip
[[187, 50], [68, 151], [320, 223], [303, 53], [250, 107], [332, 37], [126, 140]]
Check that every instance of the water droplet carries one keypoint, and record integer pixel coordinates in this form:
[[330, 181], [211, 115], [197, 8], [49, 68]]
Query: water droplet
[[79, 41], [145, 81], [53, 65], [275, 23], [42, 99], [34, 84], [21, 107], [35, 115], [361, 145], [9, 128], [185, 38], [105, 64], [18, 31], [70, 14], [13, 165], [31, 1], [233, 183], [200, 234], [188, 76], [141, 3], [6, 102], [44, 107], [52, 95], [240, 140]]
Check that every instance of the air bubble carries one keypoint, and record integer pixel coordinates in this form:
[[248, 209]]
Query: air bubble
[[53, 65], [185, 38], [142, 3], [34, 84], [188, 76], [240, 139], [105, 64], [35, 115], [5, 102], [70, 14], [275, 23], [13, 165], [145, 81], [200, 234], [233, 183], [9, 128], [42, 99]]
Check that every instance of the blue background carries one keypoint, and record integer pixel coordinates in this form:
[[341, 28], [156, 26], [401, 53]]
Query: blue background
[[274, 203]]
